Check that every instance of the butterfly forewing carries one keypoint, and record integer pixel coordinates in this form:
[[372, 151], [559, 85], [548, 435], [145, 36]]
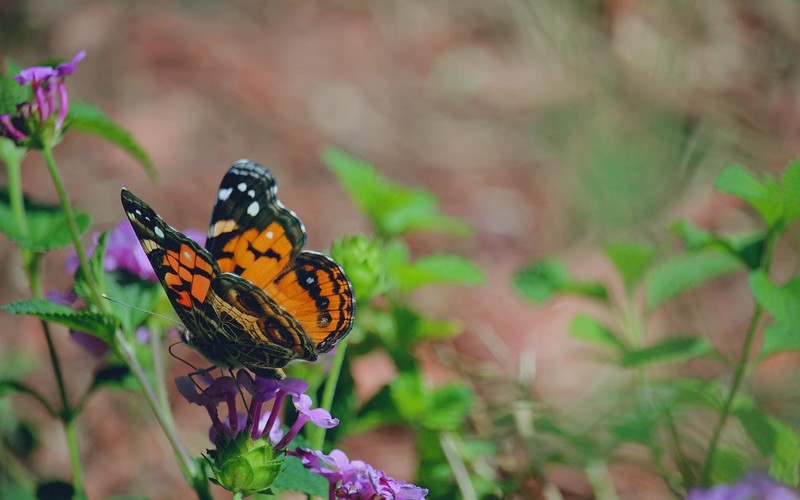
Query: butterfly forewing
[[251, 233], [316, 291], [183, 267]]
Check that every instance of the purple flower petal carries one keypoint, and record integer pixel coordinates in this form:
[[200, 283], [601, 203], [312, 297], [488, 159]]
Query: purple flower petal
[[35, 75], [68, 68], [93, 345], [318, 416]]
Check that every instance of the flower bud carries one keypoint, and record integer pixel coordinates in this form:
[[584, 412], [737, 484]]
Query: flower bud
[[241, 465]]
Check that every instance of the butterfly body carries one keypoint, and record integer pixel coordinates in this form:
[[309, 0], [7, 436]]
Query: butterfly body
[[252, 297]]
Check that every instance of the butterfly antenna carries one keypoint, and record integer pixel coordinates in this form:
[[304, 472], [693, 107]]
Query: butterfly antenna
[[151, 313]]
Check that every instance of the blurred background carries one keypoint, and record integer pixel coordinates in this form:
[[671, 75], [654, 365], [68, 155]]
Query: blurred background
[[553, 126]]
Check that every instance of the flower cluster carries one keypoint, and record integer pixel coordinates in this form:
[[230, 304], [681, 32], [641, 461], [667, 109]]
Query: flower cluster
[[243, 462], [50, 99], [752, 486], [355, 478], [257, 422]]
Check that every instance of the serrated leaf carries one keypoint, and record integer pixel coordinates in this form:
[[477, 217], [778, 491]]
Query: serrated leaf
[[90, 119], [764, 196], [631, 260], [100, 325], [448, 405], [590, 329], [783, 304], [47, 225], [671, 350], [439, 269], [129, 289], [393, 209], [685, 272]]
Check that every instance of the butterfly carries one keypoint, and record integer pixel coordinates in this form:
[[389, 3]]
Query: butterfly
[[252, 297]]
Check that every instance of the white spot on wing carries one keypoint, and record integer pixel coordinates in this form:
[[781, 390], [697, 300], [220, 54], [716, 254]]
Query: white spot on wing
[[158, 232], [224, 193], [242, 186], [310, 280], [269, 235], [187, 255], [251, 193], [252, 210]]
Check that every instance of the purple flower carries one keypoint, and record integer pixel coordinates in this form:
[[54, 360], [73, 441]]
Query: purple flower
[[356, 479], [123, 253], [50, 96], [256, 422], [753, 486], [319, 417]]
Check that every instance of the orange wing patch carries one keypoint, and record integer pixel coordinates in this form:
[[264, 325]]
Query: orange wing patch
[[257, 256], [318, 294]]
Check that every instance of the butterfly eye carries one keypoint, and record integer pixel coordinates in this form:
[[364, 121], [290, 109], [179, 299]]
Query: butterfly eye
[[249, 301]]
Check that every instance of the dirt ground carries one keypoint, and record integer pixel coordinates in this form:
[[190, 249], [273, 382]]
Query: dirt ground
[[496, 107]]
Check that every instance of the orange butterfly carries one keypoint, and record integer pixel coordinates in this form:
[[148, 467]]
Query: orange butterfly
[[252, 297]]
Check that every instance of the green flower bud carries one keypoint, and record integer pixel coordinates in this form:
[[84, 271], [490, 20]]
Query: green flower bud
[[243, 466], [364, 262]]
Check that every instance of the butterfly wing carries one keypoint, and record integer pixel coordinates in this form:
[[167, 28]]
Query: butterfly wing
[[251, 233], [183, 267], [316, 292]]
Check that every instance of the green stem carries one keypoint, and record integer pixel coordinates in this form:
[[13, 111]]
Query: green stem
[[316, 435], [186, 464], [66, 411], [75, 456], [16, 198], [741, 368], [73, 226]]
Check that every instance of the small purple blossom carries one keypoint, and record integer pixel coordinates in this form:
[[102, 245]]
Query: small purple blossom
[[355, 478], [50, 97], [752, 486], [257, 422]]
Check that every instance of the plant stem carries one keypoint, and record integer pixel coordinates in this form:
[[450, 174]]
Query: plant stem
[[72, 225], [316, 435], [742, 365], [450, 448], [75, 456], [15, 196], [185, 463]]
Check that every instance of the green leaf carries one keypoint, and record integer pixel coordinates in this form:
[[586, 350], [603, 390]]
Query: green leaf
[[129, 289], [540, 281], [409, 397], [47, 225], [97, 324], [747, 247], [727, 466], [685, 272], [783, 304], [12, 93], [439, 269], [631, 260], [295, 477], [95, 261], [393, 209], [90, 119], [448, 405], [774, 440], [764, 196], [671, 350], [117, 376], [590, 329], [790, 184]]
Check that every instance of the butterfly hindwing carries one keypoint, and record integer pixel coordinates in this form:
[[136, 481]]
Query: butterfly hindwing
[[251, 233], [316, 292], [183, 267]]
